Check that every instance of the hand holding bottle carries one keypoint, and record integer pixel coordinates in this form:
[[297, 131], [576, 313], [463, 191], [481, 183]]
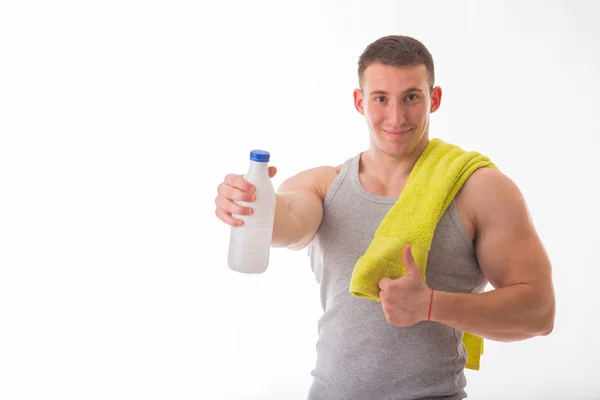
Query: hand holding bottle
[[248, 204], [235, 188]]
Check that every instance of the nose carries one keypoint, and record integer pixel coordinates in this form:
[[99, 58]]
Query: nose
[[396, 116]]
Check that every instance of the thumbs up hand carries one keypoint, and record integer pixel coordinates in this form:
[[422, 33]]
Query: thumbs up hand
[[406, 300]]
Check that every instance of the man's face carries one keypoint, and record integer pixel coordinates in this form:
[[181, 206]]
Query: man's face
[[396, 102]]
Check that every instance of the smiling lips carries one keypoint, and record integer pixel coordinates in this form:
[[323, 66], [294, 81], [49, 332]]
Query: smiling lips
[[396, 132]]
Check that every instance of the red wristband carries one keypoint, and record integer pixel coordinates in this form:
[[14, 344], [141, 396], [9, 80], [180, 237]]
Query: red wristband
[[430, 303]]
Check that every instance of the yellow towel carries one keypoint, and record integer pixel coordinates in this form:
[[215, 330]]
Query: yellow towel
[[438, 175]]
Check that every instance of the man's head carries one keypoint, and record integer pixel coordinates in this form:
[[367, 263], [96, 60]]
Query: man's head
[[396, 51], [397, 94]]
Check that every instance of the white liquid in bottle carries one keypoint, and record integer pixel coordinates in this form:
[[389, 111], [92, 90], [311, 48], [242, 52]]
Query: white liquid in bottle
[[250, 244]]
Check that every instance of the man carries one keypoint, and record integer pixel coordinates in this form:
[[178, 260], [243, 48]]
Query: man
[[389, 350]]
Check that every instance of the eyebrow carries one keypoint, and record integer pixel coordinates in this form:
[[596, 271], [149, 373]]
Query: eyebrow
[[409, 90]]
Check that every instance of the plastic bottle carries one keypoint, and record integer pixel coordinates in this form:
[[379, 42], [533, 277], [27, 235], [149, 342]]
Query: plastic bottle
[[250, 244]]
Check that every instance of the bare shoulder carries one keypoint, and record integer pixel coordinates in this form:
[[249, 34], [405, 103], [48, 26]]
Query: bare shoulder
[[488, 185], [492, 198], [318, 180]]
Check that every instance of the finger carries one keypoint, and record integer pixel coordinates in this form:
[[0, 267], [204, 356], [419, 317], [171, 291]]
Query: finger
[[238, 181], [409, 262], [233, 193], [231, 207], [227, 218], [384, 283], [272, 171]]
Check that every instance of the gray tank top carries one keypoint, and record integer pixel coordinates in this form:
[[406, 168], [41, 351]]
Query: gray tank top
[[360, 356]]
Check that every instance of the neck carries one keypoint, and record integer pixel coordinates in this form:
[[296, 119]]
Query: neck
[[392, 168]]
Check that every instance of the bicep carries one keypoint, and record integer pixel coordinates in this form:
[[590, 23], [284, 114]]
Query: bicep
[[508, 248]]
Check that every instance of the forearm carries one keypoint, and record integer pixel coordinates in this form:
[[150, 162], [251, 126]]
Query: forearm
[[297, 218], [506, 314], [286, 229]]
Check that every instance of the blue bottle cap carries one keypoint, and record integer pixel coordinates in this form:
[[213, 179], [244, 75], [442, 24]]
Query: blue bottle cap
[[259, 155]]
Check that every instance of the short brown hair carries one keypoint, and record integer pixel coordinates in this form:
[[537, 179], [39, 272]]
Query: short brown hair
[[396, 51]]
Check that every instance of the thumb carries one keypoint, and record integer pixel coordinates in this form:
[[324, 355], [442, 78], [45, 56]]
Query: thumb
[[272, 171], [410, 263], [384, 283]]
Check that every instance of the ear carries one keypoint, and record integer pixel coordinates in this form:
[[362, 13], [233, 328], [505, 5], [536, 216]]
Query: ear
[[436, 98], [359, 101]]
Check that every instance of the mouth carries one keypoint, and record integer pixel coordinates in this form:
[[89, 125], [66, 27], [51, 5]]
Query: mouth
[[396, 133]]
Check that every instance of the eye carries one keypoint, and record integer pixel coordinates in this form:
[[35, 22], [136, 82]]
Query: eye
[[380, 99], [412, 97]]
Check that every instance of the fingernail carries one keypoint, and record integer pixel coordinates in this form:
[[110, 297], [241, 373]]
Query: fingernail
[[253, 197], [252, 189]]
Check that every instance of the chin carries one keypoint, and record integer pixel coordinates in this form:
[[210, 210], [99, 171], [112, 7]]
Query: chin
[[400, 148], [395, 150]]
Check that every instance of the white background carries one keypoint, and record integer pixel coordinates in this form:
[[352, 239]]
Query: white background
[[118, 119]]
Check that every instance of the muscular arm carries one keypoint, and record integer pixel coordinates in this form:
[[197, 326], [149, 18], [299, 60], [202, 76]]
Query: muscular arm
[[299, 208], [513, 259]]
